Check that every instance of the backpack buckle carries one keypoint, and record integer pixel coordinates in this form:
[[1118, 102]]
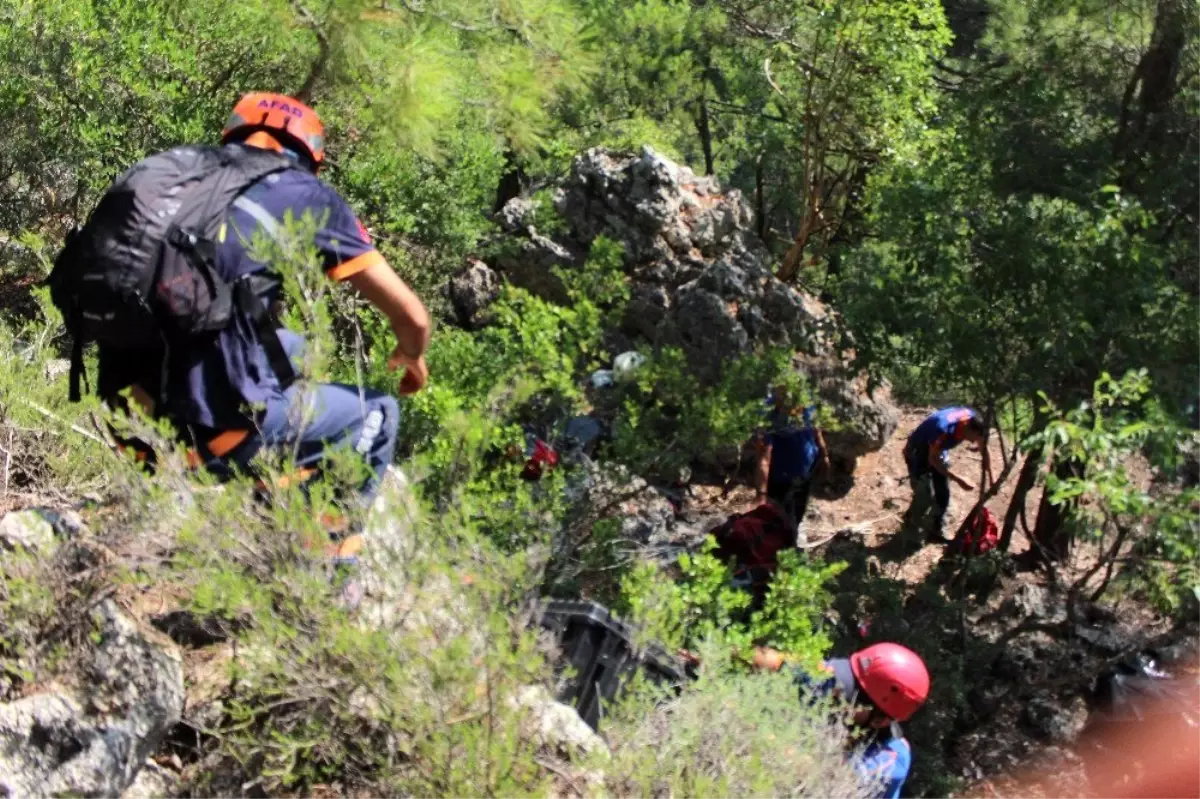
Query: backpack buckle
[[182, 238]]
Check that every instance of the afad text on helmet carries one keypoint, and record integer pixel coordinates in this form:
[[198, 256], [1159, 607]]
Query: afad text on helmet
[[282, 106]]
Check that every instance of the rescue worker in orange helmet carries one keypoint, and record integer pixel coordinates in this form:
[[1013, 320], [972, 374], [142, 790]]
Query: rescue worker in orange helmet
[[224, 392]]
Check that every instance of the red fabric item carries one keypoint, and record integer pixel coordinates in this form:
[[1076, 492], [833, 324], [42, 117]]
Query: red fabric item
[[754, 539], [983, 535], [543, 459]]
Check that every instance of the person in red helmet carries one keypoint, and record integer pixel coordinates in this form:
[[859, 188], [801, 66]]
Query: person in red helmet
[[886, 684]]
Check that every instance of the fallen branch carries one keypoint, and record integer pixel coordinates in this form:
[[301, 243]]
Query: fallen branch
[[51, 415], [7, 462], [859, 528]]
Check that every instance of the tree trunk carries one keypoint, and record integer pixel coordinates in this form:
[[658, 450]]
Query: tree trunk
[[702, 127], [1155, 81], [790, 267], [1025, 482], [844, 233], [760, 200], [1051, 531], [509, 186], [316, 70]]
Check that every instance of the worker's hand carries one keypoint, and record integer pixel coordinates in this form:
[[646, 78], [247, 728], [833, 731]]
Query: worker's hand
[[416, 373], [760, 498], [824, 464], [767, 658]]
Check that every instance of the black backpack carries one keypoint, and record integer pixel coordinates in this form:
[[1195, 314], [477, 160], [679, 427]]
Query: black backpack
[[141, 273]]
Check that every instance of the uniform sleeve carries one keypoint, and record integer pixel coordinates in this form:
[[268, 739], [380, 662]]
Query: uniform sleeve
[[344, 243], [889, 764]]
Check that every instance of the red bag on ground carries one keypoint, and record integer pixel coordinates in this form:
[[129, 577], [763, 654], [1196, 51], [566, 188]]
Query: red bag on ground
[[543, 459], [982, 535], [754, 539]]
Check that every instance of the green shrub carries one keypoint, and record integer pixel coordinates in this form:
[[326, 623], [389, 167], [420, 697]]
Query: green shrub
[[703, 603], [730, 734]]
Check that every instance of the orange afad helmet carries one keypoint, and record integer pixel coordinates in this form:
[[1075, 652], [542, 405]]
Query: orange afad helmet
[[276, 121]]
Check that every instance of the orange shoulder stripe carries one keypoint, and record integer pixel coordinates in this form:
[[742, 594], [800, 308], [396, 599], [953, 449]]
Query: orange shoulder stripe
[[355, 265]]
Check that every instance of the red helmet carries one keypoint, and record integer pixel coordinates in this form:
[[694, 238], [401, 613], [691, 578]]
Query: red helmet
[[893, 676], [275, 121]]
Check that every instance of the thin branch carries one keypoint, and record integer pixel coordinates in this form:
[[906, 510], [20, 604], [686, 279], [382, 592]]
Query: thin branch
[[1101, 562], [7, 462], [323, 49], [744, 111], [771, 80], [51, 415], [414, 8]]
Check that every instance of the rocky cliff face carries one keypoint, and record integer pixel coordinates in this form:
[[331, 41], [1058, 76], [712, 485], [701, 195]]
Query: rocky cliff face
[[147, 670], [699, 278]]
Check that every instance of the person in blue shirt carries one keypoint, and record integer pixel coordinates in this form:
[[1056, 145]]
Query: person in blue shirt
[[789, 456], [925, 454], [886, 684], [223, 394]]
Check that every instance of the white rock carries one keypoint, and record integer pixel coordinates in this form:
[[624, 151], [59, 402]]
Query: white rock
[[32, 529]]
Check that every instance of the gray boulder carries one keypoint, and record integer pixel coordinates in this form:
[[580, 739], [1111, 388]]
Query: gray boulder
[[152, 782], [31, 529], [94, 740], [647, 516], [866, 415], [1054, 720], [554, 724], [471, 291], [529, 261], [1029, 600], [39, 529]]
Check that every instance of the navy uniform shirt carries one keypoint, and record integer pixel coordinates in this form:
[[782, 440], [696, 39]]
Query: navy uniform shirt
[[213, 384], [887, 758]]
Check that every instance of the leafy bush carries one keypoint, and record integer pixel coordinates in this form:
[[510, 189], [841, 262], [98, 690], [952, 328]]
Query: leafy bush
[[1150, 533], [731, 734], [703, 603]]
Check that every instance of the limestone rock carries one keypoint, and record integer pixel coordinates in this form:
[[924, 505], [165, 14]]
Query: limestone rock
[[1057, 721], [646, 515], [31, 529], [94, 741], [152, 782], [56, 368], [471, 291], [699, 278], [556, 725], [1029, 600]]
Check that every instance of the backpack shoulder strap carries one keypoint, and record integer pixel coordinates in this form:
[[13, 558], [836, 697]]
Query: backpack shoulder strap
[[243, 167], [246, 294], [251, 304]]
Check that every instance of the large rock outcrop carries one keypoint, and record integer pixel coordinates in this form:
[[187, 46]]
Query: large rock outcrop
[[700, 280]]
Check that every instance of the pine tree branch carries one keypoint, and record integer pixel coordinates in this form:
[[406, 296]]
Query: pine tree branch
[[414, 7], [317, 70]]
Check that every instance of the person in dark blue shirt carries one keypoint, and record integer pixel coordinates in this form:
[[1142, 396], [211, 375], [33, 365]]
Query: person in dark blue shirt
[[225, 397], [925, 455], [789, 456], [886, 684]]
